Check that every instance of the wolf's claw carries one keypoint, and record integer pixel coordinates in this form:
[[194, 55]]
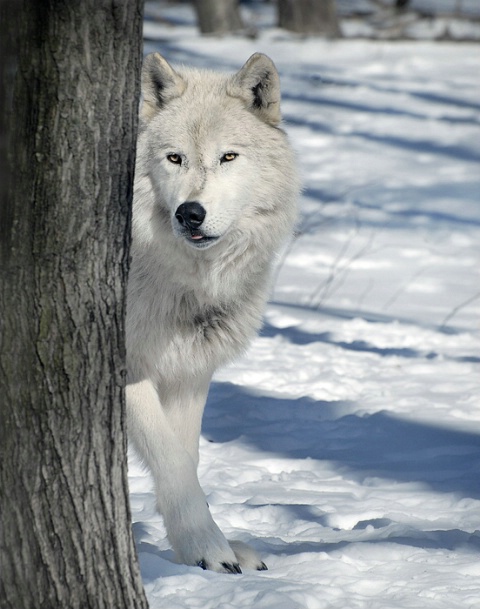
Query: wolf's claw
[[229, 567]]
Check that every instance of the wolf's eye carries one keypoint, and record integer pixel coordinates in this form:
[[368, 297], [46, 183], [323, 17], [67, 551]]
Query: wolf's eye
[[174, 158], [229, 156]]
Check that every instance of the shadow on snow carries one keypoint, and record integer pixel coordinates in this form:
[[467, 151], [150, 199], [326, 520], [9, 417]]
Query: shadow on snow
[[378, 445], [296, 336], [362, 447]]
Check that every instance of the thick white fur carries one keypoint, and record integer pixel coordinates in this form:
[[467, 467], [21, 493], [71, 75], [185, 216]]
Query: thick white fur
[[191, 309]]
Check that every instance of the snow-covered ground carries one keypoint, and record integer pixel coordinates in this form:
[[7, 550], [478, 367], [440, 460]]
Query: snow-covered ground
[[345, 446]]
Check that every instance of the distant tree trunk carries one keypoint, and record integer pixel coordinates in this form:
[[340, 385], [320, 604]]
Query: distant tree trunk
[[68, 118], [218, 16], [309, 17]]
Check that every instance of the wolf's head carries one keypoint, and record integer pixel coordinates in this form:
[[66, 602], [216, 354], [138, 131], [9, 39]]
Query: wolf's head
[[212, 150]]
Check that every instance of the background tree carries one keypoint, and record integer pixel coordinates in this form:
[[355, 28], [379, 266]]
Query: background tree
[[68, 118], [309, 17], [218, 16]]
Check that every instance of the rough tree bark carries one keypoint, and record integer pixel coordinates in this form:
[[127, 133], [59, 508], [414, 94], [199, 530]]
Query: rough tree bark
[[309, 17], [69, 93], [218, 16]]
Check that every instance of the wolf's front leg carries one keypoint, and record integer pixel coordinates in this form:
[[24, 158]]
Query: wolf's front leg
[[195, 537]]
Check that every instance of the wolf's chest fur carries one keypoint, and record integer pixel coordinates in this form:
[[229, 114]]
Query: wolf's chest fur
[[208, 335]]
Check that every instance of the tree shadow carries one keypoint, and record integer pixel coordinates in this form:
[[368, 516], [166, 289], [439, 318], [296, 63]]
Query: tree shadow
[[361, 446], [389, 110], [468, 191], [298, 337], [384, 531], [327, 76], [457, 152]]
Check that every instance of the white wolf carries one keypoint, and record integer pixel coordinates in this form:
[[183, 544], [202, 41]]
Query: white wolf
[[215, 197]]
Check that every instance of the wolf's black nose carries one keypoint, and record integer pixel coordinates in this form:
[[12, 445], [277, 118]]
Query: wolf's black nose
[[192, 214]]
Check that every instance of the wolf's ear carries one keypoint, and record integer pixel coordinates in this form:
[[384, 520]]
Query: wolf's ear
[[258, 85], [160, 84]]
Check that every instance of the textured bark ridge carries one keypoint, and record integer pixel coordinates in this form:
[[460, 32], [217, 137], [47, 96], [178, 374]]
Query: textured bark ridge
[[69, 116]]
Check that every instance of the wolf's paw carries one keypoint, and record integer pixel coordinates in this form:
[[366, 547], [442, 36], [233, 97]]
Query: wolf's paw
[[216, 555], [247, 557], [205, 547], [197, 541]]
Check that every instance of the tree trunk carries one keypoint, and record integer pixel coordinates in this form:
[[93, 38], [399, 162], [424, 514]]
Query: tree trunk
[[69, 93], [309, 17], [218, 16]]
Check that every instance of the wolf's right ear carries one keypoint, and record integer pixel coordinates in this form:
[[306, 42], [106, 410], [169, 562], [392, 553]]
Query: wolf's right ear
[[160, 84]]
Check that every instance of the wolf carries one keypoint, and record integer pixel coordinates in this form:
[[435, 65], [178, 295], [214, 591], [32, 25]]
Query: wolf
[[215, 198]]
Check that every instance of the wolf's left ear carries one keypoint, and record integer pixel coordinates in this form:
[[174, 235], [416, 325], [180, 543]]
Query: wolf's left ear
[[160, 84], [258, 85]]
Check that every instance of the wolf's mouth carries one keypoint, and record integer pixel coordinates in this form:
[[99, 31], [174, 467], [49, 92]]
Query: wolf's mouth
[[198, 238]]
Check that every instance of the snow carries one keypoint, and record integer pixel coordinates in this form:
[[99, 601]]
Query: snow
[[345, 445]]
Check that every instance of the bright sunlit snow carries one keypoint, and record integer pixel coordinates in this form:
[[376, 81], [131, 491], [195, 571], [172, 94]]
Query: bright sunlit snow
[[345, 446]]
